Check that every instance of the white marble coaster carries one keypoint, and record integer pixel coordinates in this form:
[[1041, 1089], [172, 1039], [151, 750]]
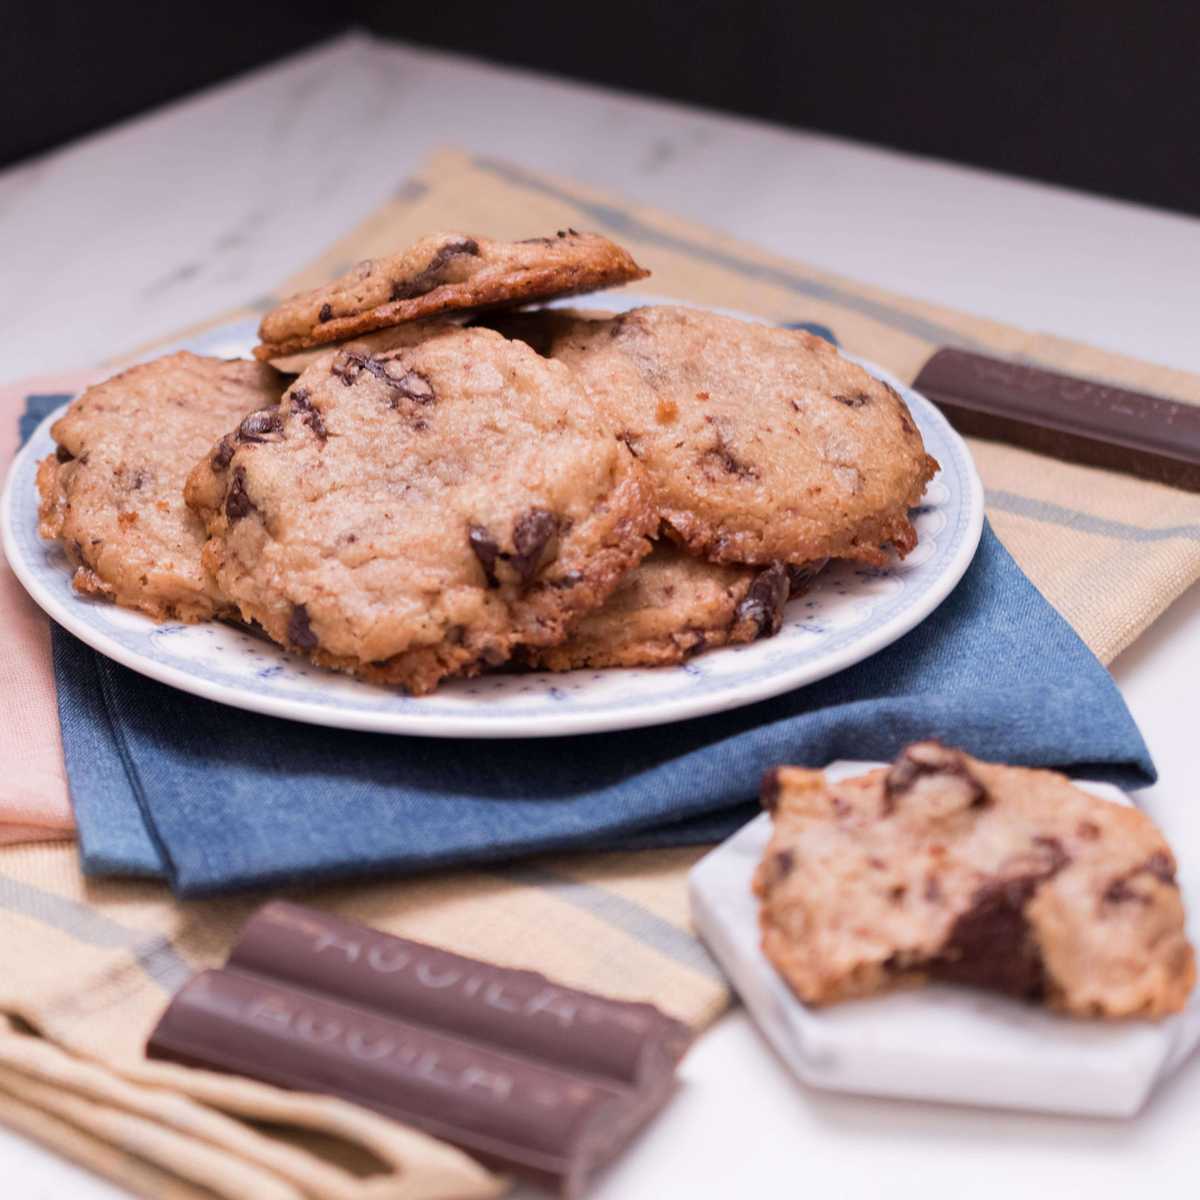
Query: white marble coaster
[[939, 1042]]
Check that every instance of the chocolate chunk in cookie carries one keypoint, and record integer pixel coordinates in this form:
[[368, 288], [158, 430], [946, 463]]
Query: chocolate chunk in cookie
[[945, 867]]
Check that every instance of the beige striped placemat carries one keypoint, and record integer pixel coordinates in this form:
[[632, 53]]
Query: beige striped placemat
[[88, 965]]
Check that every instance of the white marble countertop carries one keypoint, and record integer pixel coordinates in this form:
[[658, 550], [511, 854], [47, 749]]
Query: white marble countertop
[[203, 205]]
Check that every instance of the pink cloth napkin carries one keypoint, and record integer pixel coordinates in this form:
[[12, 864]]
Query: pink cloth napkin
[[34, 805]]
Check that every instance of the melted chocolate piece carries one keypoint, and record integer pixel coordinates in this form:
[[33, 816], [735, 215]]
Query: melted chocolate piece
[[326, 313], [782, 864], [405, 383], [924, 760], [723, 457], [800, 576], [299, 631], [237, 502], [302, 406], [1158, 865], [855, 400], [348, 366], [769, 789], [990, 945], [763, 603], [261, 426], [429, 278], [64, 455], [484, 547], [1057, 854], [531, 535], [1119, 892], [411, 386], [222, 456]]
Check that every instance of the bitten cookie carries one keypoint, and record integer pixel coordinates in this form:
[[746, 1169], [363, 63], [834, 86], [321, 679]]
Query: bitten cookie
[[113, 492], [441, 274], [421, 503], [763, 444], [673, 605], [945, 867]]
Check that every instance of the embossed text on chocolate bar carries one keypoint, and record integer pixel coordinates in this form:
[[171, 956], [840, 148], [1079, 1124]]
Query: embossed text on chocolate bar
[[521, 1010], [504, 1109], [1080, 420], [527, 1075]]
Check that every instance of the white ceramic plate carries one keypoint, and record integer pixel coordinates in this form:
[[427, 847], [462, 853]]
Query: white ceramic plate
[[850, 613], [940, 1042]]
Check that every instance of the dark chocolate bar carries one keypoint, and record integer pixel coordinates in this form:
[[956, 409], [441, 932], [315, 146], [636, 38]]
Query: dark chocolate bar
[[1066, 417], [546, 1081], [520, 1010]]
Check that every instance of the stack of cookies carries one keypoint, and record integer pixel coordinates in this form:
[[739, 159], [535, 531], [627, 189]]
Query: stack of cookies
[[422, 478]]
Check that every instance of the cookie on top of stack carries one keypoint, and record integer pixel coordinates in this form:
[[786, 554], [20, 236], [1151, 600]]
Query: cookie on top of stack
[[446, 488]]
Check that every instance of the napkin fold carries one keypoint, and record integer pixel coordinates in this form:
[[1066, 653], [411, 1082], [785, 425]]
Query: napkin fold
[[216, 800]]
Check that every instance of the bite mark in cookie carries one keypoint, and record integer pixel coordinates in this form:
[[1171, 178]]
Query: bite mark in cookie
[[946, 867]]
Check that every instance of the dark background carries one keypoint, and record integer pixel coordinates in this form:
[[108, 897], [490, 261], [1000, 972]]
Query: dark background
[[1095, 94]]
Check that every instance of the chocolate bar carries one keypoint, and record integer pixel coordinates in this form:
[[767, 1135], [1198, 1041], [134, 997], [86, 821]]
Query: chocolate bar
[[546, 1081], [1066, 417], [522, 1010]]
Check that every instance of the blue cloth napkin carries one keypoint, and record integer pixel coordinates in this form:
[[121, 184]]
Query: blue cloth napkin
[[215, 799]]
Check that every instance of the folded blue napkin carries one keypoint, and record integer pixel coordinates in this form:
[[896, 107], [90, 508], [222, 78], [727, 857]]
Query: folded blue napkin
[[215, 799]]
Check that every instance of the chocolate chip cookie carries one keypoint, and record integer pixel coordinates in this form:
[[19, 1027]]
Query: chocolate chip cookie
[[112, 494], [673, 605], [444, 273], [763, 444], [944, 867], [419, 504]]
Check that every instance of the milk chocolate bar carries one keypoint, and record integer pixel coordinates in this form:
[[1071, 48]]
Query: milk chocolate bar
[[545, 1081], [521, 1010], [1066, 417]]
